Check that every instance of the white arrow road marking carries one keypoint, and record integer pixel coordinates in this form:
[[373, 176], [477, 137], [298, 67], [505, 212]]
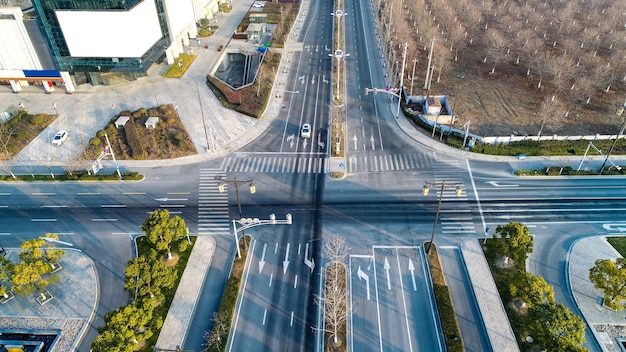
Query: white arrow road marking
[[304, 143], [387, 267], [286, 262], [301, 78], [355, 140], [57, 241], [262, 261], [412, 270], [363, 276], [171, 199], [324, 79], [313, 80], [373, 144], [290, 140], [497, 184], [614, 227], [307, 262]]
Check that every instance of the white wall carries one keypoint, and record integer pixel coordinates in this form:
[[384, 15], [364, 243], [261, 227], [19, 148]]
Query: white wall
[[181, 24], [16, 48], [114, 34]]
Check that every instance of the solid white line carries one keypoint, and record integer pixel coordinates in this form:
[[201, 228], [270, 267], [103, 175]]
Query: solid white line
[[87, 193], [5, 234], [271, 279], [104, 219], [448, 247], [480, 209], [4, 206], [54, 206], [113, 206], [5, 194], [42, 194], [291, 322], [171, 206], [240, 297], [264, 315], [295, 281], [42, 220], [380, 332], [406, 314]]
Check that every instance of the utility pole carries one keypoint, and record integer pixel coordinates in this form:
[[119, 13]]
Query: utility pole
[[428, 70], [413, 75], [401, 79]]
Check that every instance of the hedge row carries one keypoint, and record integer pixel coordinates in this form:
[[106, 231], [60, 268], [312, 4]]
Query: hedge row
[[134, 141], [451, 332], [75, 176]]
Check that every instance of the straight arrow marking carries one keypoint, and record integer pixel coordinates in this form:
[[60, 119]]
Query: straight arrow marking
[[262, 261], [412, 270], [286, 262], [387, 267]]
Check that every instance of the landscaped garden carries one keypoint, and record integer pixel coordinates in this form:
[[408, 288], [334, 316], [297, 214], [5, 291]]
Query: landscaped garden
[[168, 139]]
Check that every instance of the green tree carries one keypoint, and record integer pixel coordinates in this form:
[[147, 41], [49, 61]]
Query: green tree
[[555, 328], [610, 277], [111, 341], [40, 249], [28, 277], [163, 231], [511, 241], [530, 288], [5, 271], [148, 276]]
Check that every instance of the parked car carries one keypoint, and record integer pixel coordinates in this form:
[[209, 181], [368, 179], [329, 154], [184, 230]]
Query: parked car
[[59, 138], [305, 132]]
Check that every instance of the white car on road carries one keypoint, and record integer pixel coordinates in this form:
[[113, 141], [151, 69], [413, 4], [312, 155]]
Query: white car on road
[[305, 132], [59, 138]]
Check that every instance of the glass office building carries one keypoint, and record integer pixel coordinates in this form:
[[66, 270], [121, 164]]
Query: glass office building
[[103, 38]]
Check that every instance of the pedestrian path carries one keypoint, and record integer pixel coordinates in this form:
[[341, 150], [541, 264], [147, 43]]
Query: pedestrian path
[[213, 217], [389, 162], [276, 163]]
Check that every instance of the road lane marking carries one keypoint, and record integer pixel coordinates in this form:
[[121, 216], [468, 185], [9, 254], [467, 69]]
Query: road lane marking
[[262, 261], [295, 281], [171, 206], [112, 219], [406, 314], [113, 206], [271, 278], [54, 206], [387, 267], [264, 315], [88, 193], [42, 194], [133, 193], [42, 220], [5, 194], [412, 270], [291, 321], [5, 234]]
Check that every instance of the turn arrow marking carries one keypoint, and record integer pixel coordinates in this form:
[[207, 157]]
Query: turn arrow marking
[[412, 270], [364, 276], [262, 261], [286, 262], [497, 184], [171, 199]]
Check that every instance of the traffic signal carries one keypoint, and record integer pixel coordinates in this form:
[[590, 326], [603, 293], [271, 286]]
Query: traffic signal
[[366, 91], [375, 91]]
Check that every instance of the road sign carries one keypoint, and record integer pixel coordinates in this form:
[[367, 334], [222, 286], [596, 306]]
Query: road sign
[[341, 165]]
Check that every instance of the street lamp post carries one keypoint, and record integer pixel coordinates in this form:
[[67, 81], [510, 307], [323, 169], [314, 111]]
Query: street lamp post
[[221, 187], [206, 135], [338, 54], [620, 111], [443, 185]]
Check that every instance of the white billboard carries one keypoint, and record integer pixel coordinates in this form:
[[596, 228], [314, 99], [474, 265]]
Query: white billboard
[[111, 33]]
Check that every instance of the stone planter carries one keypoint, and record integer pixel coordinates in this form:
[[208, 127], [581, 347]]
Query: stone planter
[[7, 297], [44, 297]]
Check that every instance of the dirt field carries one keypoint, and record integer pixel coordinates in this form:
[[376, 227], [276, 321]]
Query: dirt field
[[507, 102]]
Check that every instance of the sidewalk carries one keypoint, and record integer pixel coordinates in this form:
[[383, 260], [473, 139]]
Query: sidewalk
[[606, 325], [71, 309]]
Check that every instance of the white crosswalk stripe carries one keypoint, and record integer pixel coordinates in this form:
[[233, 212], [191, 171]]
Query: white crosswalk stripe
[[276, 164], [390, 162], [213, 217]]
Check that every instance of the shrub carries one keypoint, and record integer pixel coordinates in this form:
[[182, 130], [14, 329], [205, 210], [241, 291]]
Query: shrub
[[204, 22], [37, 119], [204, 33], [20, 135], [134, 141], [95, 142], [100, 133]]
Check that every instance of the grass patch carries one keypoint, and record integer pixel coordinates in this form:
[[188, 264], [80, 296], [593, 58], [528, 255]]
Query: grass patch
[[22, 128], [619, 243], [180, 66], [160, 312]]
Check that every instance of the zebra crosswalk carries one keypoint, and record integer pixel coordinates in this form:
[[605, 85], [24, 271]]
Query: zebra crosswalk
[[454, 220], [319, 164], [213, 217]]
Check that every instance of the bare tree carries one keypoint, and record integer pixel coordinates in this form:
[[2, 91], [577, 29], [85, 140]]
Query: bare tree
[[334, 298], [6, 133], [550, 113]]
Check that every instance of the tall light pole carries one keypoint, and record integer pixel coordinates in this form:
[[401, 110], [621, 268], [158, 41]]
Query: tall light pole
[[443, 185], [206, 135], [338, 54], [620, 111], [221, 187], [401, 79]]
